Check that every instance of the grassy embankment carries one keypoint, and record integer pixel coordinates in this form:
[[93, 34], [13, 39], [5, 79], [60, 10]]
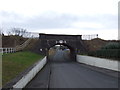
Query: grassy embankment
[[14, 63]]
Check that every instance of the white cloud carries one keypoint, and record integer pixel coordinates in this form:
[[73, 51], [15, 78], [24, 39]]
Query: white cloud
[[99, 15], [87, 25]]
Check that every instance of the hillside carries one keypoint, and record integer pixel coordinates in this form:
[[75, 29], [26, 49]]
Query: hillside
[[32, 44], [12, 41], [96, 44]]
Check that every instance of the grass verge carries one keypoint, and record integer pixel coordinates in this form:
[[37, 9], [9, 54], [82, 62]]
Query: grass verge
[[14, 63]]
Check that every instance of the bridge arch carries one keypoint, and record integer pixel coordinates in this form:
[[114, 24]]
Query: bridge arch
[[72, 50]]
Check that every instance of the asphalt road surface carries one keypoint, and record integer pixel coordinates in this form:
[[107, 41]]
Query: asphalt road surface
[[64, 73]]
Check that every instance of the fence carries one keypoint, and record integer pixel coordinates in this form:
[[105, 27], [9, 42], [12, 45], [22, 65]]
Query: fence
[[31, 35], [7, 50], [89, 37]]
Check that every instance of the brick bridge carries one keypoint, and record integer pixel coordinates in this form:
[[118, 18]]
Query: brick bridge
[[73, 42]]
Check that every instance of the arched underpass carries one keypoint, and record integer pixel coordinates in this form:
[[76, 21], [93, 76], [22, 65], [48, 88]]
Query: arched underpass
[[61, 52], [56, 53]]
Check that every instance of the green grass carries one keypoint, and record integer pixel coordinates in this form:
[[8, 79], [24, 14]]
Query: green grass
[[14, 63]]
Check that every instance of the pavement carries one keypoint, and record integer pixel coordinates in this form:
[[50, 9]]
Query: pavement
[[62, 72]]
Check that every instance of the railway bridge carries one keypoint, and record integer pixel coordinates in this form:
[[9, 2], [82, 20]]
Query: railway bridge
[[73, 42]]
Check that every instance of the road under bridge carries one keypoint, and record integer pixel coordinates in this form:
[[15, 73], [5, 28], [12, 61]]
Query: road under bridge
[[61, 72]]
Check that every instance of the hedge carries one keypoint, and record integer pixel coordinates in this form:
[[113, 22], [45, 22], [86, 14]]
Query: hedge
[[112, 45], [106, 53]]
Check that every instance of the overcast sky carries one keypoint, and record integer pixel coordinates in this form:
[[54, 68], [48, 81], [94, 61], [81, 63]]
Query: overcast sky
[[82, 17]]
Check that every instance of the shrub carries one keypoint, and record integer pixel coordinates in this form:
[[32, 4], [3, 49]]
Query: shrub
[[112, 45]]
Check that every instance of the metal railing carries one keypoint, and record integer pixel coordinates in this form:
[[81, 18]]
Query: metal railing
[[31, 35], [89, 37], [7, 50]]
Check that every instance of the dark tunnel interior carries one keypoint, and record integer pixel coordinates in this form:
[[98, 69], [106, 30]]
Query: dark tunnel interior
[[61, 52]]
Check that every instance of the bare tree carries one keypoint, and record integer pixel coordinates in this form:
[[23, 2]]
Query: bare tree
[[23, 32], [17, 31]]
